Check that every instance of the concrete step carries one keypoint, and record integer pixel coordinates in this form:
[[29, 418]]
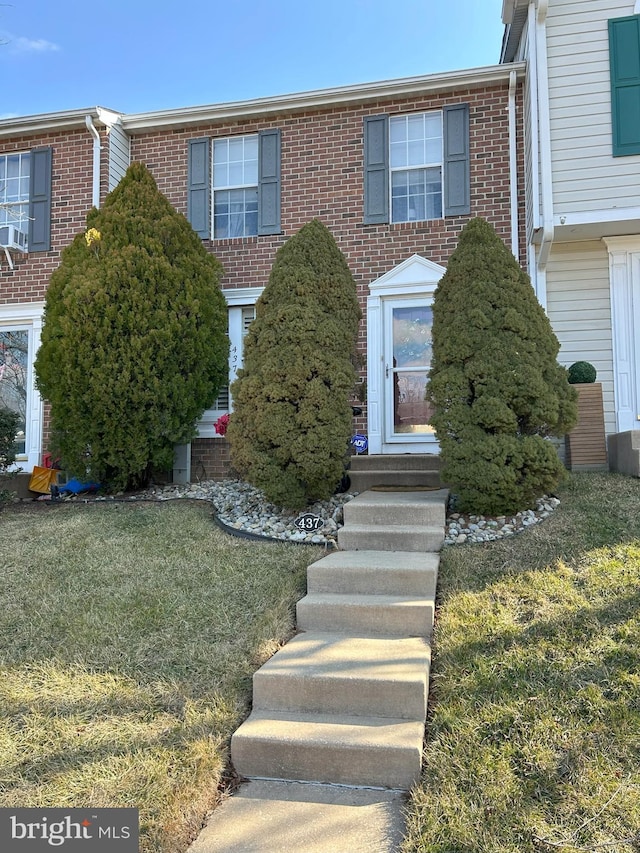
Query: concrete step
[[396, 537], [385, 508], [366, 615], [335, 674], [396, 462], [341, 750], [363, 480], [375, 573]]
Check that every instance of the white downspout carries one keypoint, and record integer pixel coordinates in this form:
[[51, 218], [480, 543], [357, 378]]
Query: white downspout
[[513, 167], [544, 121], [97, 147]]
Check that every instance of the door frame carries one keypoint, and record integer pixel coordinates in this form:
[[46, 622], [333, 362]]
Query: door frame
[[624, 282], [417, 278]]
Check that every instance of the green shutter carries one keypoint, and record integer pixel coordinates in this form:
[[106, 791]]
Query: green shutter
[[457, 187], [40, 200], [376, 169], [269, 182], [624, 60], [199, 186]]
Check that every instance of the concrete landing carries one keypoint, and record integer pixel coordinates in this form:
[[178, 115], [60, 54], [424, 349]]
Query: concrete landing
[[292, 817]]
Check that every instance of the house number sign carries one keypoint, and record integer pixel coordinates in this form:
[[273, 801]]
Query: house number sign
[[308, 522]]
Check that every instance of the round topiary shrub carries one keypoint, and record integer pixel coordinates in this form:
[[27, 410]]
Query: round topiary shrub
[[497, 389], [292, 417], [581, 372]]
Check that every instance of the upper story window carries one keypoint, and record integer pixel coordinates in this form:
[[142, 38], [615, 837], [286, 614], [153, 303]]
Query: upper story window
[[25, 200], [417, 166], [235, 187], [14, 198], [624, 61], [415, 157]]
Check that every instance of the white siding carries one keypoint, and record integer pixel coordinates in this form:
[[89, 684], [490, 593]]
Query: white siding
[[579, 307], [586, 177], [119, 154]]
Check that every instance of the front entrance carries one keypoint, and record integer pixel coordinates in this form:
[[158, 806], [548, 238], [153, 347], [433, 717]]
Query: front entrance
[[399, 322], [407, 357]]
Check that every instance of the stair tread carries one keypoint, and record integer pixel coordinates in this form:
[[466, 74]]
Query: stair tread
[[323, 729], [337, 656], [380, 560], [365, 599]]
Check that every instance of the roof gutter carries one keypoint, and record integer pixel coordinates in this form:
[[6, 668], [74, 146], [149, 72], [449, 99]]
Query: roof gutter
[[475, 78], [97, 147]]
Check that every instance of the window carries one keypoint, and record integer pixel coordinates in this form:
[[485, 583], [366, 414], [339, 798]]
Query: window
[[415, 156], [234, 185], [624, 60], [14, 198], [25, 199], [242, 311], [14, 365], [416, 166]]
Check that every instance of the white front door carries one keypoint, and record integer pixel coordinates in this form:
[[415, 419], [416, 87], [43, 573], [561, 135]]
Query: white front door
[[407, 358]]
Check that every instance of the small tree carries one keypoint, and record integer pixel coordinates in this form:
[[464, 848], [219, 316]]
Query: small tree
[[292, 418], [9, 423], [134, 344], [495, 384]]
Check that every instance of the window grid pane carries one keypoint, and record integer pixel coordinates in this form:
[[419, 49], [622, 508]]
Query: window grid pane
[[235, 184], [415, 151], [14, 190]]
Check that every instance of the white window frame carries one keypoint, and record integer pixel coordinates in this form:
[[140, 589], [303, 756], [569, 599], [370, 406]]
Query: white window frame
[[237, 300], [16, 213], [28, 317], [414, 167], [233, 186]]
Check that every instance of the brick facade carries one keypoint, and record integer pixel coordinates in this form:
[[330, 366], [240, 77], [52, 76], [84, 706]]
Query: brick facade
[[321, 177]]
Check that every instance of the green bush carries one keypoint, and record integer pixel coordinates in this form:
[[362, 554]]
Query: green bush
[[9, 423], [495, 384], [292, 418], [134, 344], [581, 371]]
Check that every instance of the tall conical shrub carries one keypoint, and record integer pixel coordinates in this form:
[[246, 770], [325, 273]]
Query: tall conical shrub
[[292, 418], [495, 383], [134, 344]]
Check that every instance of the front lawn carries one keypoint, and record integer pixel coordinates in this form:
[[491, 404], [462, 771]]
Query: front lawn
[[128, 637], [533, 739]]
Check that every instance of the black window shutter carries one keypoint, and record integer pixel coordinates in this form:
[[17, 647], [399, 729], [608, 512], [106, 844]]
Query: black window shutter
[[457, 188], [376, 169], [199, 186], [40, 200], [269, 182]]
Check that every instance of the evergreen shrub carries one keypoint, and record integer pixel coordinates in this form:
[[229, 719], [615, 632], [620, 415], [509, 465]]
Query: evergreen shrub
[[134, 344], [498, 391], [581, 371], [292, 418], [9, 422]]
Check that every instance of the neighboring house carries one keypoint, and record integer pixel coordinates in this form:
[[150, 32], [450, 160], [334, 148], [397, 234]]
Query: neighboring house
[[582, 175], [394, 169]]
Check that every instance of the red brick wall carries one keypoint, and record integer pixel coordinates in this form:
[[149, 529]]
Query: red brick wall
[[322, 177]]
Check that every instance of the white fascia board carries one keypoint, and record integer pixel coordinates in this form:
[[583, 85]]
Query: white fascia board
[[405, 87], [21, 312], [65, 120]]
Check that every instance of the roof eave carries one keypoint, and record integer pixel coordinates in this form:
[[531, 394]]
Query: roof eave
[[47, 122], [308, 101]]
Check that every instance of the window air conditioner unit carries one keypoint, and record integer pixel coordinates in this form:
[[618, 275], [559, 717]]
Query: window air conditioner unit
[[12, 238]]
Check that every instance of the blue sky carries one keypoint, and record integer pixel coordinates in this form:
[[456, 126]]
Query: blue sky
[[152, 54]]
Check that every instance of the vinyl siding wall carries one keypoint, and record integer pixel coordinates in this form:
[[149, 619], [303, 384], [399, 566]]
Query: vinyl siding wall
[[586, 177], [579, 307]]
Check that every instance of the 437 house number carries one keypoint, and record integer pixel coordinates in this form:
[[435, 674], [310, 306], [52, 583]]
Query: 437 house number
[[308, 522]]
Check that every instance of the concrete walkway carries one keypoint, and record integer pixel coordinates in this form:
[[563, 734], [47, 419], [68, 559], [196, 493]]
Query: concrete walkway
[[335, 737]]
